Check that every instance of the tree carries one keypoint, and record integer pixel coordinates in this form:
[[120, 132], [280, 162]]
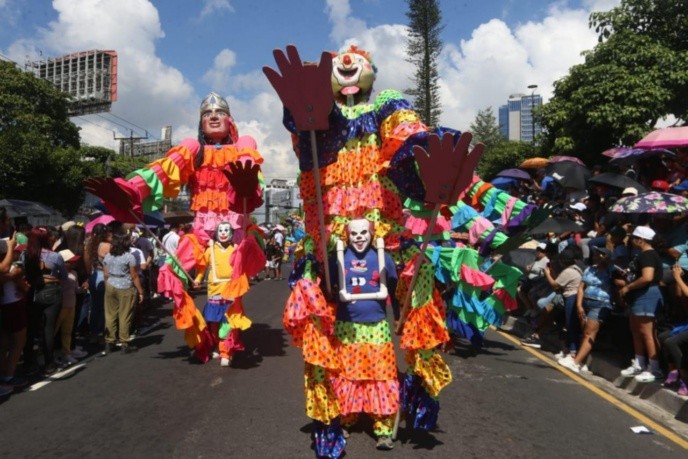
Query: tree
[[634, 77], [34, 127], [423, 48], [486, 130], [504, 155]]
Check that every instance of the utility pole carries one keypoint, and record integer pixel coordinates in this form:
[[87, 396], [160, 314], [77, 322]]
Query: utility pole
[[131, 139]]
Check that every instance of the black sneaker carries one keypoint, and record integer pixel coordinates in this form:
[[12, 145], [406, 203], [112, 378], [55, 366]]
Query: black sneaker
[[109, 347], [129, 348], [532, 342]]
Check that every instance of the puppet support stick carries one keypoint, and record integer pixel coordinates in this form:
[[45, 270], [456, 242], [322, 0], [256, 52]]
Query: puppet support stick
[[321, 211]]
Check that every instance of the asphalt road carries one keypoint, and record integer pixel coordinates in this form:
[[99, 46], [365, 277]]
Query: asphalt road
[[504, 402]]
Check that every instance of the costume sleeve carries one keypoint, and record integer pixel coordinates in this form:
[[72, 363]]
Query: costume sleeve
[[392, 279]]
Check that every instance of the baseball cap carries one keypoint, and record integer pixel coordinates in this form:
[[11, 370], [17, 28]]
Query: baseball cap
[[661, 185], [644, 232], [630, 191], [541, 246], [683, 186], [579, 206], [66, 225]]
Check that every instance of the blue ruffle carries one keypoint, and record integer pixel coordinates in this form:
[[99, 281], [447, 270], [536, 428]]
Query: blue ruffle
[[329, 439], [464, 330], [214, 311], [416, 403], [300, 266]]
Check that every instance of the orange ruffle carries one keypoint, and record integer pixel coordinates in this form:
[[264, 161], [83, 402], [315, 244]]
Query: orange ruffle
[[396, 129], [236, 287], [210, 200], [352, 168], [183, 158], [424, 327], [193, 334], [306, 303], [317, 347], [219, 158], [355, 202], [184, 313]]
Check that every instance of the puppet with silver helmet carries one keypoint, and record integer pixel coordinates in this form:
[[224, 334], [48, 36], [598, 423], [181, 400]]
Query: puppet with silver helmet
[[221, 170]]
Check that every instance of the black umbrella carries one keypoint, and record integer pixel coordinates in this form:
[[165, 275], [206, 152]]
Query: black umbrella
[[557, 225], [569, 174], [617, 181]]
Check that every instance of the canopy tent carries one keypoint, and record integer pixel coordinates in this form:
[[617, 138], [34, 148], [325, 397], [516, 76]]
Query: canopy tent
[[35, 213]]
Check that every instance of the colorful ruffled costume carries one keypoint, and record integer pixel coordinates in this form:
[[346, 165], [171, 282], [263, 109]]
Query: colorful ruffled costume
[[214, 200]]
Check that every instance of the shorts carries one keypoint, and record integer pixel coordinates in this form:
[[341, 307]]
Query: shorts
[[646, 303], [597, 310], [14, 318]]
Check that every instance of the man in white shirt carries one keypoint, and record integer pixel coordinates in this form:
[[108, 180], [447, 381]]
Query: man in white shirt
[[171, 240]]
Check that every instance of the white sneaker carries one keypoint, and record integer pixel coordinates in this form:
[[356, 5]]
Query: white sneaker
[[224, 362], [633, 370], [585, 369], [215, 355], [568, 362], [559, 356], [648, 376]]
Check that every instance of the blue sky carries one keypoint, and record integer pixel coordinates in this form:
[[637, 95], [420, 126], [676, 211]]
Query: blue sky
[[173, 52]]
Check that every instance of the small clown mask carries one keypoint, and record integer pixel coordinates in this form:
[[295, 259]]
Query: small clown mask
[[360, 234], [223, 234]]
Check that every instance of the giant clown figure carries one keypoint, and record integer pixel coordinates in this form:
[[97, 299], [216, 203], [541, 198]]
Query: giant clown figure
[[222, 172], [376, 160]]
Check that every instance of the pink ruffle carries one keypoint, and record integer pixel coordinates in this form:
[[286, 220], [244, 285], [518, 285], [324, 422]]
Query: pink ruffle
[[507, 300], [373, 397], [170, 285], [476, 278], [419, 226]]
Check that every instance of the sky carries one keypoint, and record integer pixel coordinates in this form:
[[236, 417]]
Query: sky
[[171, 53]]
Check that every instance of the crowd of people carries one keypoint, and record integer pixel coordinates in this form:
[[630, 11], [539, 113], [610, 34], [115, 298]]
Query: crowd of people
[[621, 264]]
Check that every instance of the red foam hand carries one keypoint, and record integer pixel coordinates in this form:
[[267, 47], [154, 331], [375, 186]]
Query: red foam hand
[[243, 176], [305, 90], [447, 169], [119, 197]]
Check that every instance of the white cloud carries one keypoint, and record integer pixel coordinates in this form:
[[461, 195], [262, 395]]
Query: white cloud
[[343, 24], [215, 7]]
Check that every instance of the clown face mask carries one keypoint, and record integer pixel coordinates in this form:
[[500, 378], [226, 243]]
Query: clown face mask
[[360, 235], [223, 234]]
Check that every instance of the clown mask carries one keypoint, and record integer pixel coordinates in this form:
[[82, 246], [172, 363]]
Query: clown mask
[[223, 234], [360, 234], [352, 75]]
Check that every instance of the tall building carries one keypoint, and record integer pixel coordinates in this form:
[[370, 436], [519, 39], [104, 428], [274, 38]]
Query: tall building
[[516, 117]]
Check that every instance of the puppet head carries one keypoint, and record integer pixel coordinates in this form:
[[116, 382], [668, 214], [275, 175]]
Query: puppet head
[[217, 125], [223, 233], [353, 73], [360, 233]]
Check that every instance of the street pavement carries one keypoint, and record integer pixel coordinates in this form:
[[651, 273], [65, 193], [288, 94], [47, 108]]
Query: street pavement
[[505, 401]]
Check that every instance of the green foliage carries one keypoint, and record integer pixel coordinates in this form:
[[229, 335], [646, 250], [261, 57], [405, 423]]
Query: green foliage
[[504, 155], [635, 76], [423, 48]]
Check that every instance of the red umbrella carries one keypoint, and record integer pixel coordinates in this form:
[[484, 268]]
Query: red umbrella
[[559, 159], [671, 137]]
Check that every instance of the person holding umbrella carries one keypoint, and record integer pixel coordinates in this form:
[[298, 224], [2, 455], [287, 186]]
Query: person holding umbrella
[[644, 298]]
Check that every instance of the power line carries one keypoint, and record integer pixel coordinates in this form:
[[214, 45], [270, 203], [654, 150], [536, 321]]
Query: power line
[[115, 122], [127, 121], [95, 124]]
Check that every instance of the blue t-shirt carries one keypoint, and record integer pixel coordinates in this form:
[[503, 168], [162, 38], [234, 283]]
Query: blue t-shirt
[[362, 275], [598, 284]]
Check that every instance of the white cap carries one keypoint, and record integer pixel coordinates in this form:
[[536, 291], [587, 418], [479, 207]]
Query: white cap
[[630, 191], [542, 246], [579, 206], [66, 225], [68, 255], [644, 232]]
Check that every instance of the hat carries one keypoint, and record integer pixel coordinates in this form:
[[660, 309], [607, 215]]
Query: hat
[[68, 255], [683, 186], [66, 225], [579, 206], [644, 232], [661, 185], [630, 191], [541, 246], [603, 250]]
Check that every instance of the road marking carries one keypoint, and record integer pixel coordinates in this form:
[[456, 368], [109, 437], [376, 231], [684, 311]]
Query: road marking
[[55, 376], [614, 401]]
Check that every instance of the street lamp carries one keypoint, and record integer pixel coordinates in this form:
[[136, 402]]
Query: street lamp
[[532, 118]]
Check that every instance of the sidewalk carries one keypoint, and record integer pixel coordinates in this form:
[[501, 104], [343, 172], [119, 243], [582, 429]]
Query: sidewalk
[[607, 361]]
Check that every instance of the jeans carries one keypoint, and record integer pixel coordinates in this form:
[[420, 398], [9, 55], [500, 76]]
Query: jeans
[[96, 285], [573, 327], [49, 301], [673, 347]]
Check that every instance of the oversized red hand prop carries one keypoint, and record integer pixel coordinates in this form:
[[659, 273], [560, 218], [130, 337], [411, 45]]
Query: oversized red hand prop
[[243, 177], [305, 90], [120, 199], [447, 169]]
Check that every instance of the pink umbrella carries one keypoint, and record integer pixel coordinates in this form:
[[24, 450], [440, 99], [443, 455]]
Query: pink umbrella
[[612, 152], [104, 219], [671, 137], [559, 159]]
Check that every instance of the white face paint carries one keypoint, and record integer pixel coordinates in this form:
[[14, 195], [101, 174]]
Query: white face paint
[[224, 232], [359, 234]]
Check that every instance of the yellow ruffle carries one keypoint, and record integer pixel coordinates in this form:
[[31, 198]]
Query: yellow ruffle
[[434, 371], [238, 321], [321, 401], [173, 185], [192, 334]]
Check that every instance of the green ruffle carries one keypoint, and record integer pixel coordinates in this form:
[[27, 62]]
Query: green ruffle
[[353, 332], [154, 200]]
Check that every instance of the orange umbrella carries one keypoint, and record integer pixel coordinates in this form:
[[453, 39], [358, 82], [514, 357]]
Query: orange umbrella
[[534, 163]]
